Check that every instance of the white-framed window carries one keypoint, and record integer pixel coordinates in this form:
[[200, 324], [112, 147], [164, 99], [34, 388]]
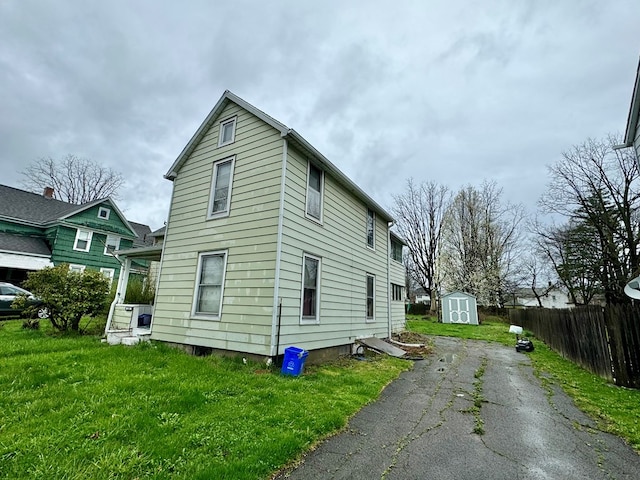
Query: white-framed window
[[315, 183], [221, 183], [108, 273], [207, 299], [396, 250], [104, 213], [371, 298], [397, 292], [77, 268], [111, 244], [83, 240], [227, 132], [310, 298], [371, 228]]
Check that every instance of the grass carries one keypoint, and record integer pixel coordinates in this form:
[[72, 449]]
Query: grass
[[72, 407], [615, 409]]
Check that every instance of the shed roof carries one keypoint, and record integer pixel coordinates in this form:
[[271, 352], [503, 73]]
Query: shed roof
[[293, 137]]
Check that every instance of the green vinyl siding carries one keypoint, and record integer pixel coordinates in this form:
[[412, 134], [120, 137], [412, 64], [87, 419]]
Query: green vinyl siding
[[18, 229], [340, 242], [89, 220], [248, 235]]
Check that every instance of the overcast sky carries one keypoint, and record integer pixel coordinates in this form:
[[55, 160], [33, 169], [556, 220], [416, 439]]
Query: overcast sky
[[452, 91]]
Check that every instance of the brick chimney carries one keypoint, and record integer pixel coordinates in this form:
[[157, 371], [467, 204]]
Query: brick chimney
[[48, 192]]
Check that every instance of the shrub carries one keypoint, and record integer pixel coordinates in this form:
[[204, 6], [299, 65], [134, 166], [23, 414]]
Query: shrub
[[67, 295]]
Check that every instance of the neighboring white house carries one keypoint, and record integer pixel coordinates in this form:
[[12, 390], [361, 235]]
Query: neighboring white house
[[269, 245], [550, 298]]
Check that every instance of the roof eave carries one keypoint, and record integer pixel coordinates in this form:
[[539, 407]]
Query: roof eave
[[298, 139]]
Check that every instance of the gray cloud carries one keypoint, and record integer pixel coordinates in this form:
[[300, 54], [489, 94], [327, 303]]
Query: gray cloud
[[440, 90]]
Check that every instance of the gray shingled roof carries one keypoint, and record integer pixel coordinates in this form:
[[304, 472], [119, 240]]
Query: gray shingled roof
[[31, 207], [23, 244], [144, 234]]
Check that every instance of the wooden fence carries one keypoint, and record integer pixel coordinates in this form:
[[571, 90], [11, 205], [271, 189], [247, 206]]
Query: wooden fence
[[605, 341]]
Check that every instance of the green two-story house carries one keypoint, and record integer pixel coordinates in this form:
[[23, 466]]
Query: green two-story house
[[38, 231]]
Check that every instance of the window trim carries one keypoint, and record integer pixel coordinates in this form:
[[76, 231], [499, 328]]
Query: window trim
[[106, 244], [76, 266], [394, 242], [110, 277], [223, 123], [397, 292], [306, 203], [367, 318], [222, 213], [372, 246], [196, 289], [89, 238], [307, 320], [104, 209]]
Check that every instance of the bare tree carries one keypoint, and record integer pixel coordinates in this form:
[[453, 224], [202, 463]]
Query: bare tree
[[73, 179], [574, 252], [481, 243], [595, 185], [419, 212]]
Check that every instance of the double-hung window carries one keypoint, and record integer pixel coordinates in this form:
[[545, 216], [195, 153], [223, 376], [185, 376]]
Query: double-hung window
[[310, 308], [111, 244], [371, 228], [227, 132], [396, 250], [208, 296], [314, 192], [108, 273], [371, 288], [77, 268], [221, 188], [83, 240]]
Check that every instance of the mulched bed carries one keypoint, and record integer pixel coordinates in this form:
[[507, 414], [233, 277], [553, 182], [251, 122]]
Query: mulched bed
[[415, 353]]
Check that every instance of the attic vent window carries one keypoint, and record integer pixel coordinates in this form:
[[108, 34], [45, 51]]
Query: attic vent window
[[104, 213], [227, 132]]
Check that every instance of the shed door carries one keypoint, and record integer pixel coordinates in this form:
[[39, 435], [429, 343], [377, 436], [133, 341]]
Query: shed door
[[458, 310]]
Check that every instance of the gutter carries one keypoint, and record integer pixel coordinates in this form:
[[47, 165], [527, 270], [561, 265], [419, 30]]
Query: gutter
[[389, 292]]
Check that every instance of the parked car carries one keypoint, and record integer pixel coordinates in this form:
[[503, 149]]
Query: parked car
[[9, 292]]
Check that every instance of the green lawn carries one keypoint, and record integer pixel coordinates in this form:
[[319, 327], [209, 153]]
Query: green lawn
[[616, 409], [72, 407]]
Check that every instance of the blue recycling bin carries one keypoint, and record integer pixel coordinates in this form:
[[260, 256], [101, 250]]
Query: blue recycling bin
[[293, 363]]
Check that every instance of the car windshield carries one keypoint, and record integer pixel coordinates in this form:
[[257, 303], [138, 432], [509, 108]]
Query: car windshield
[[12, 290]]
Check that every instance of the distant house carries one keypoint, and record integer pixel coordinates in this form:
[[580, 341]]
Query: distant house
[[269, 245], [38, 231], [550, 298]]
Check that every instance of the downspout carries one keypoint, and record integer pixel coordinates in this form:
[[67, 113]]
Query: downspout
[[277, 305], [389, 293], [121, 291]]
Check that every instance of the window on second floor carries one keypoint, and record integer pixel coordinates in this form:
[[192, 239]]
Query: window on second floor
[[83, 240], [111, 244], [314, 192], [396, 250], [371, 228], [227, 132], [221, 188]]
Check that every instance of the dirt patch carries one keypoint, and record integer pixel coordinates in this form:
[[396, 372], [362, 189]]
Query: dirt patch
[[424, 349]]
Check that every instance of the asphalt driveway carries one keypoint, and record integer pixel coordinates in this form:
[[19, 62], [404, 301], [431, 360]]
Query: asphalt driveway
[[422, 427]]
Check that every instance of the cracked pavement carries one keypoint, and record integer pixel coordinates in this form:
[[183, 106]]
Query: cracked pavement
[[422, 426]]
